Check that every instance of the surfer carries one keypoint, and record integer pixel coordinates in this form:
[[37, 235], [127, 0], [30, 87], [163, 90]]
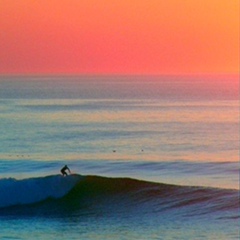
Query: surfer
[[64, 169]]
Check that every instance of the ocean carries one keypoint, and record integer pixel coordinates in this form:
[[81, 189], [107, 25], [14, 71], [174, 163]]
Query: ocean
[[151, 157]]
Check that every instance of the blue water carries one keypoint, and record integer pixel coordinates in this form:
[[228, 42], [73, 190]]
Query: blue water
[[151, 157]]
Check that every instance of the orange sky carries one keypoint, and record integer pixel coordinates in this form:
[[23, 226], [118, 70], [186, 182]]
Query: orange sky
[[119, 36]]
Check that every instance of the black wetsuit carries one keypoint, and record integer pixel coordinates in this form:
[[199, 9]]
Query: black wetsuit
[[63, 170]]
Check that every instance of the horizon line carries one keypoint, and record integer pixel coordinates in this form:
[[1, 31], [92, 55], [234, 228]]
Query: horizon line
[[116, 74]]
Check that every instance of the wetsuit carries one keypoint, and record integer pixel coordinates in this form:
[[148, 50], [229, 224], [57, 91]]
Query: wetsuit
[[63, 170]]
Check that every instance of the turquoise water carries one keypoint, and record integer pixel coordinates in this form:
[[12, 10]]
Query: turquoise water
[[157, 131]]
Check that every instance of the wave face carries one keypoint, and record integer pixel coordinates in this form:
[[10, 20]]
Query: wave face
[[32, 190], [75, 194]]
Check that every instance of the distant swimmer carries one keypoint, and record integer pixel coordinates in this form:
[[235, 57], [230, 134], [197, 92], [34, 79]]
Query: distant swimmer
[[64, 169]]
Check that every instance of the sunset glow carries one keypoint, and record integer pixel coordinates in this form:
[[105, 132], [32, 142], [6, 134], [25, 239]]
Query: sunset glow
[[119, 37]]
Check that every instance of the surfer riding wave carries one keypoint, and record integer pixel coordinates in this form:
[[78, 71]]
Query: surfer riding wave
[[64, 170]]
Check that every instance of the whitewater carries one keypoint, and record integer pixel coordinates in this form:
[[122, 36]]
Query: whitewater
[[151, 157]]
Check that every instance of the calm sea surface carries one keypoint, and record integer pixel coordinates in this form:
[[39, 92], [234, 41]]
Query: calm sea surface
[[151, 157]]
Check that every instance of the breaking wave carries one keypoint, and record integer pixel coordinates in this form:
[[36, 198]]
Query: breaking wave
[[57, 195], [32, 190]]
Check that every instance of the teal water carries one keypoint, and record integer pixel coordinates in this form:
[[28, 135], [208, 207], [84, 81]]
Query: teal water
[[181, 131]]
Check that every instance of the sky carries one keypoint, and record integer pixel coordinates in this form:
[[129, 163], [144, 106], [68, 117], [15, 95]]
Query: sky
[[119, 37]]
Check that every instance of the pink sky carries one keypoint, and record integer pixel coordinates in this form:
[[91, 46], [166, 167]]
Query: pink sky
[[119, 37]]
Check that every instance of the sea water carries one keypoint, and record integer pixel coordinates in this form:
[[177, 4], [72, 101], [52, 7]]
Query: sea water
[[152, 157]]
